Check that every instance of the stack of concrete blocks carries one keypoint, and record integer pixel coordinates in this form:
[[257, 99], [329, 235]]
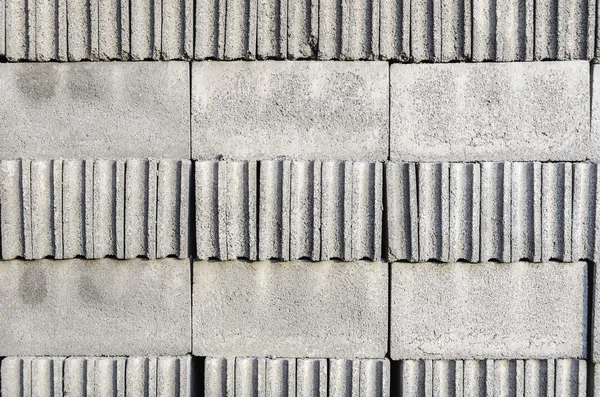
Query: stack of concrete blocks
[[409, 208]]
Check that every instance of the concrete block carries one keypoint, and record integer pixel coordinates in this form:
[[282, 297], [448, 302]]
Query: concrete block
[[354, 378], [177, 30], [12, 203], [402, 211], [83, 32], [46, 208], [503, 31], [455, 30], [526, 212], [434, 202], [210, 29], [496, 226], [140, 208], [146, 29], [490, 310], [562, 377], [113, 30], [274, 210], [301, 309], [20, 37], [426, 30], [312, 378], [211, 215], [32, 376], [565, 30], [239, 113], [50, 30], [2, 29], [79, 110], [77, 196], [491, 111], [557, 211], [280, 377], [271, 36], [336, 217], [305, 210], [109, 214], [240, 29], [107, 307], [394, 28], [465, 211], [219, 377], [349, 30], [302, 29], [586, 212]]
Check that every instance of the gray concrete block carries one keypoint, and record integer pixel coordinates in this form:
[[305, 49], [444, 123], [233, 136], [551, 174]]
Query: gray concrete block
[[32, 376], [146, 29], [46, 209], [496, 226], [219, 377], [434, 216], [301, 309], [557, 212], [246, 110], [274, 210], [503, 31], [562, 377], [140, 208], [394, 28], [465, 212], [240, 29], [302, 29], [210, 29], [109, 214], [336, 210], [490, 310], [50, 29], [107, 307], [20, 37], [211, 196], [280, 377], [95, 376], [402, 211], [586, 211], [79, 110], [455, 30], [113, 30], [491, 111], [82, 33], [77, 197], [312, 377], [272, 28], [359, 378], [305, 210], [177, 30], [349, 30], [250, 376], [426, 30], [2, 28], [12, 201], [526, 213]]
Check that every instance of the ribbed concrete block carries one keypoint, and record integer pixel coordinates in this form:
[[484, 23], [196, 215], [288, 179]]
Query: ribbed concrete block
[[280, 377], [557, 211], [455, 30], [271, 36], [367, 210], [95, 110], [305, 309], [79, 307], [140, 208], [146, 29], [210, 29], [95, 376], [336, 210], [305, 210], [526, 212], [12, 200], [32, 376], [394, 28], [274, 210], [113, 30], [483, 112], [237, 111], [83, 41], [219, 377], [46, 208], [77, 192], [503, 31], [434, 201], [465, 212], [493, 377], [484, 313], [240, 29], [241, 210], [302, 29], [426, 30], [177, 30], [402, 211], [586, 211], [496, 188], [3, 29], [250, 376], [109, 190], [344, 377], [210, 209], [312, 378]]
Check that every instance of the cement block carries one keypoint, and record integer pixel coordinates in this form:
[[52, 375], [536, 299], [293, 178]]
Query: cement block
[[80, 110], [489, 310], [303, 309], [104, 307], [303, 29], [263, 110], [113, 30], [394, 30], [491, 111], [84, 22], [562, 377]]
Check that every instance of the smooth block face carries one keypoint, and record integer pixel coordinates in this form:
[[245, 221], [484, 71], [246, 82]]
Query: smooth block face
[[298, 110], [490, 111], [111, 109], [290, 309], [95, 307], [489, 310]]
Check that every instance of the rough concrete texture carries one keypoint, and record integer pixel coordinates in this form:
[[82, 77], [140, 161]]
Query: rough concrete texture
[[489, 310], [288, 210], [104, 307], [296, 377], [563, 377], [97, 376], [306, 309], [81, 110], [491, 211], [68, 208], [263, 110], [490, 112]]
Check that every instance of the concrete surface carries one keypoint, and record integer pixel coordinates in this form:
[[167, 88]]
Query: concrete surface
[[490, 112], [264, 110], [489, 310], [79, 110], [305, 309], [101, 307]]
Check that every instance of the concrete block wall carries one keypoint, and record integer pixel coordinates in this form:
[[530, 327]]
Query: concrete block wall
[[394, 198]]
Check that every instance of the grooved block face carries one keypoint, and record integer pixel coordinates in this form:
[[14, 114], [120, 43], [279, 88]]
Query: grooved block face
[[104, 307], [491, 111], [489, 310], [304, 309], [111, 110], [262, 110]]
